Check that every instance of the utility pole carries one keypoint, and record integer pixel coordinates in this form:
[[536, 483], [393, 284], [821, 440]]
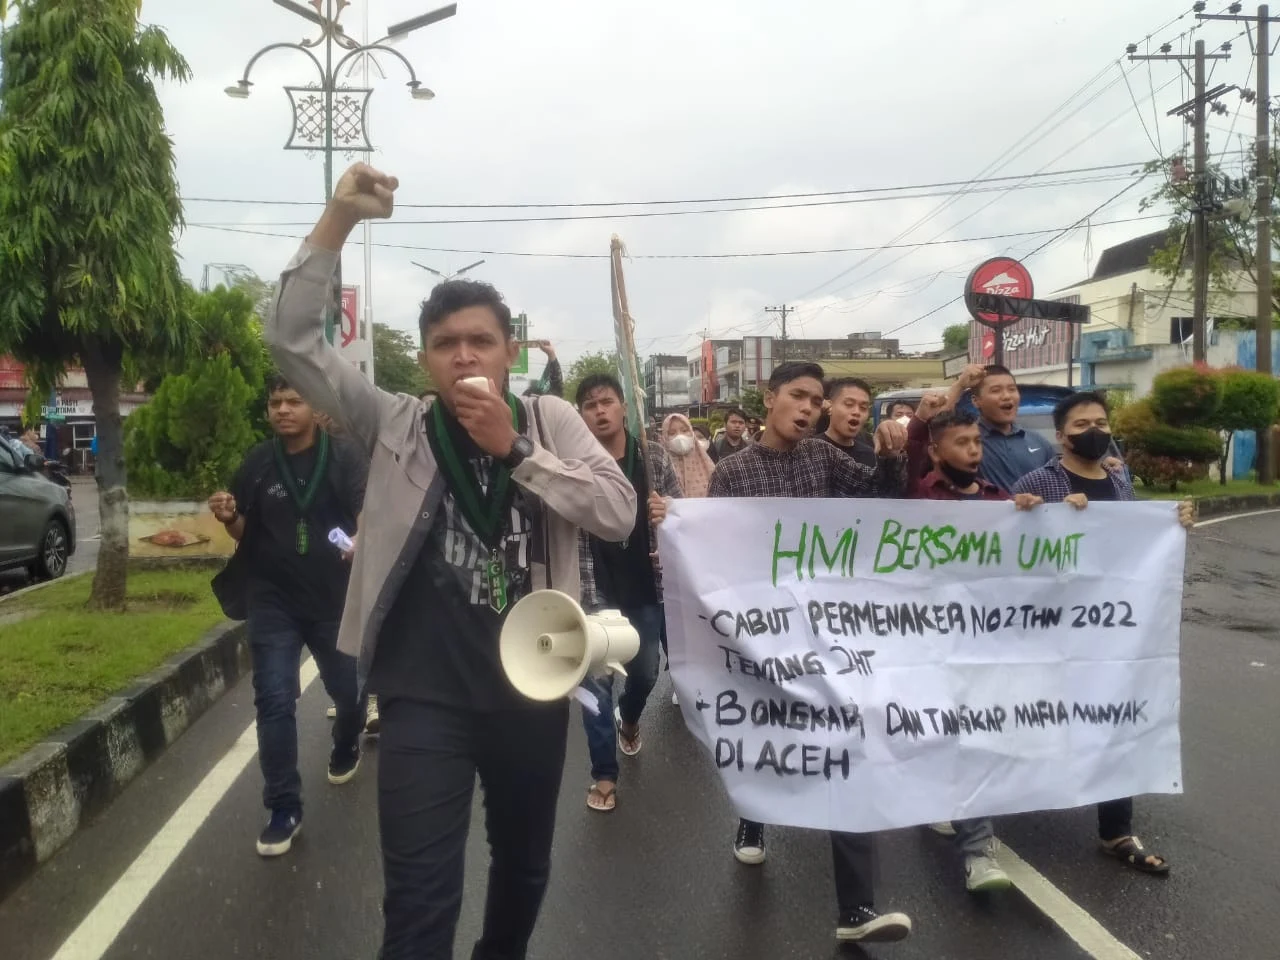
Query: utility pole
[[1199, 223], [782, 311], [1262, 212]]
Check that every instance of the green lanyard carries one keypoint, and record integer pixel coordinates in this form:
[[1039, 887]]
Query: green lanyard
[[303, 497], [483, 510]]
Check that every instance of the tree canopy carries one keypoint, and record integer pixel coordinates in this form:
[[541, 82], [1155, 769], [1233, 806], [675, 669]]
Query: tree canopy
[[584, 366], [395, 361], [955, 338]]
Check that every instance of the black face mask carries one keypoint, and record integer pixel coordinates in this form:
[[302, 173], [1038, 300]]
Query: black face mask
[[962, 479], [1092, 444]]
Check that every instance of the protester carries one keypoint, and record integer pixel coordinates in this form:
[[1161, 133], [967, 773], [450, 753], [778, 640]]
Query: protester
[[1084, 429], [551, 383], [901, 410], [704, 440], [788, 462], [689, 458], [289, 492], [847, 412], [623, 577], [1009, 452], [734, 437], [476, 499], [955, 449]]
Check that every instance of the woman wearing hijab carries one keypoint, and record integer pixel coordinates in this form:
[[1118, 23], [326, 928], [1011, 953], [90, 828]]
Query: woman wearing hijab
[[692, 464]]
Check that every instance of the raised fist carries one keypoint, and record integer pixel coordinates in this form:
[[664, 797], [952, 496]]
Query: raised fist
[[930, 405], [364, 193]]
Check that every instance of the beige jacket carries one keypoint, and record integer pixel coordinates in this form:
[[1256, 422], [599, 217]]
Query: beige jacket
[[577, 481]]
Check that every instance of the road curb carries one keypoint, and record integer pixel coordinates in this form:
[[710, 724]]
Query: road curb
[[1221, 506], [60, 784]]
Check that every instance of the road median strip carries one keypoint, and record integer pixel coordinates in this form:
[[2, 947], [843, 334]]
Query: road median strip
[[143, 678]]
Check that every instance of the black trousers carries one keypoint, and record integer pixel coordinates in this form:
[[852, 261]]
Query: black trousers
[[854, 857], [1115, 818], [429, 756]]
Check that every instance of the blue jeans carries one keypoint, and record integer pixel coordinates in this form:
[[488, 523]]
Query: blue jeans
[[276, 639], [642, 674]]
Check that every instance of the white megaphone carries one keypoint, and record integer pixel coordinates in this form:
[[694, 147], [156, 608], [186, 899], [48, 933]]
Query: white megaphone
[[549, 644]]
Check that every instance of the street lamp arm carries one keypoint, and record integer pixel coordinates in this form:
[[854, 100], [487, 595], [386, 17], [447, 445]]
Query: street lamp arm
[[324, 81], [379, 47]]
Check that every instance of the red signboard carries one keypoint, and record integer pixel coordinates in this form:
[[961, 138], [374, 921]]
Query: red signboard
[[1003, 276], [710, 388], [350, 310]]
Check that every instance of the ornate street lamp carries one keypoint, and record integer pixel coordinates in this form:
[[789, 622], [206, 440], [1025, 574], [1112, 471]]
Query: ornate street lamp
[[328, 116]]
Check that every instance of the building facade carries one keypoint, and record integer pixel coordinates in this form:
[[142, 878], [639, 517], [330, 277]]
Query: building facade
[[666, 385], [1134, 312], [720, 370], [69, 410]]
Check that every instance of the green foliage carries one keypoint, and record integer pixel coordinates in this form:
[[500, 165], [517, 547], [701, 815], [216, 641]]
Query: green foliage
[[1158, 453], [1250, 401], [1156, 471], [1198, 444], [955, 338], [395, 362], [1186, 396], [88, 197], [189, 440], [752, 401], [701, 422], [1133, 421], [584, 366]]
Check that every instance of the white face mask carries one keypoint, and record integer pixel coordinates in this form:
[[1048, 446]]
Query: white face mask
[[704, 444], [681, 445], [904, 420]]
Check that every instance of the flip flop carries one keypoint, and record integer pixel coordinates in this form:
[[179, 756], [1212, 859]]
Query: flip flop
[[602, 801], [1131, 852], [629, 745]]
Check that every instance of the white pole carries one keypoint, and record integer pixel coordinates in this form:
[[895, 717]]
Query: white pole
[[368, 249]]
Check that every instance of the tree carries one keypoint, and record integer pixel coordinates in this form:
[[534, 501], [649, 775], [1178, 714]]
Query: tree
[[955, 339], [88, 208], [188, 441], [1249, 402], [395, 363], [752, 403], [584, 366]]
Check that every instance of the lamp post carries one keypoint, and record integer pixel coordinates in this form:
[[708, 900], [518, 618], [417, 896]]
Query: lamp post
[[446, 277], [329, 117]]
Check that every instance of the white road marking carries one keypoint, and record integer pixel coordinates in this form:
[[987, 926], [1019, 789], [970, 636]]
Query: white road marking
[[1072, 919], [96, 933], [1234, 516]]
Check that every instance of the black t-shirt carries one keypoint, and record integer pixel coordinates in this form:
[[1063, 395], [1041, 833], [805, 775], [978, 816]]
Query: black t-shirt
[[312, 584], [862, 449], [1100, 489], [439, 643], [624, 571]]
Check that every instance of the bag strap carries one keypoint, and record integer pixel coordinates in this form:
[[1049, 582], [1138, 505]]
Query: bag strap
[[546, 520]]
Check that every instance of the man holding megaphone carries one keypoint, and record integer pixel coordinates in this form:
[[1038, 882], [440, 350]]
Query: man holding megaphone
[[474, 500]]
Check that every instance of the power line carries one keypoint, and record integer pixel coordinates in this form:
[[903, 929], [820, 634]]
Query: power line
[[653, 203], [678, 256], [628, 215]]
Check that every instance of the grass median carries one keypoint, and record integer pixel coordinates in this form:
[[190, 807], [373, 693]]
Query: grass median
[[58, 660], [1202, 489]]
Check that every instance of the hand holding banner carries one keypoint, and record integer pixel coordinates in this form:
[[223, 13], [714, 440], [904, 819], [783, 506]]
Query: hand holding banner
[[862, 665]]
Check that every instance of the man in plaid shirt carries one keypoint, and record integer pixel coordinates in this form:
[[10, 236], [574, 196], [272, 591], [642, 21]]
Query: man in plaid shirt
[[788, 462], [623, 576]]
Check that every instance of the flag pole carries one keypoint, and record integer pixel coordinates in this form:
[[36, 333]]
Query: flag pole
[[625, 334]]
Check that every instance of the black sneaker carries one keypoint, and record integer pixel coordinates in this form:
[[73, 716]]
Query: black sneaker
[[277, 838], [343, 764], [748, 846], [864, 925]]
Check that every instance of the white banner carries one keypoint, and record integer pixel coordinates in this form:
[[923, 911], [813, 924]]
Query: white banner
[[863, 665]]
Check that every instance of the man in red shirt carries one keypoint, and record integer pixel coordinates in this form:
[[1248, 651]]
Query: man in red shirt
[[955, 448]]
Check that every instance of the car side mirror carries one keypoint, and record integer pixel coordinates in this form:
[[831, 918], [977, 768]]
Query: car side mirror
[[31, 463]]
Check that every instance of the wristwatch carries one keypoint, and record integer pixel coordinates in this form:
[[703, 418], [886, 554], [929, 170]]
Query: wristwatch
[[521, 448]]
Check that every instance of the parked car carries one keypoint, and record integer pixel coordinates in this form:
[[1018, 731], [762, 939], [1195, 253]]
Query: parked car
[[37, 520]]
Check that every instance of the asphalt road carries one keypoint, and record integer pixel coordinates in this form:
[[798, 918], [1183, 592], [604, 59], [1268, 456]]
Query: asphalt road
[[656, 880]]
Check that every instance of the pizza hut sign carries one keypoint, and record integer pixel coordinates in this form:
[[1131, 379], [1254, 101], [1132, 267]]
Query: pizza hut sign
[[1001, 276]]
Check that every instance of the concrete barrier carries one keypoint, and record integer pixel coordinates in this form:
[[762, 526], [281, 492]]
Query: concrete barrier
[[61, 783]]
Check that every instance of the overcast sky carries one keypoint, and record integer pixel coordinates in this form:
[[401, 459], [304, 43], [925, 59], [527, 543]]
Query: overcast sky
[[553, 101]]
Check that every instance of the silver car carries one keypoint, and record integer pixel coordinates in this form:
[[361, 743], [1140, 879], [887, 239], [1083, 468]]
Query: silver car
[[37, 520]]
